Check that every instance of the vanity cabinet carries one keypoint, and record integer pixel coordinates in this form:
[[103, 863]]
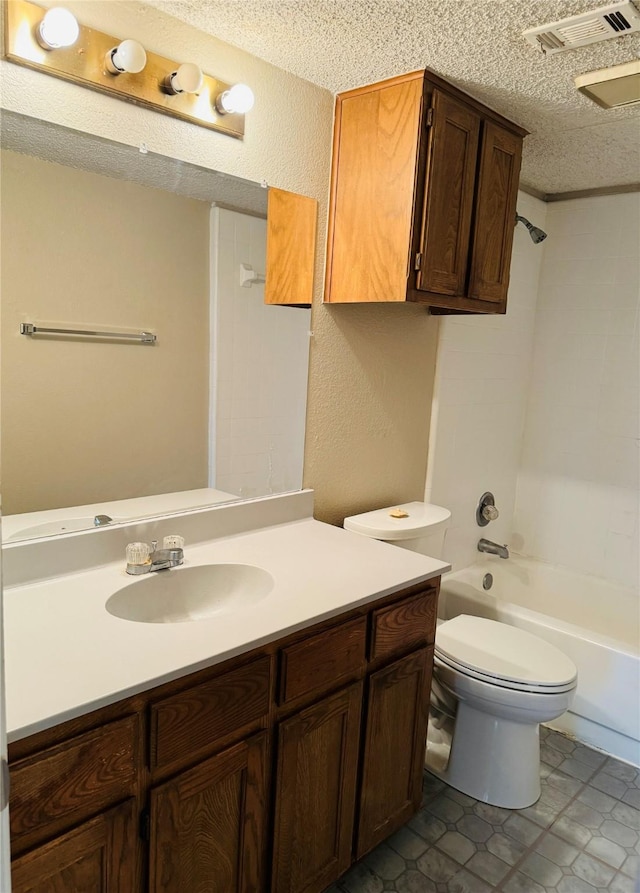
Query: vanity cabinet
[[273, 771], [423, 197]]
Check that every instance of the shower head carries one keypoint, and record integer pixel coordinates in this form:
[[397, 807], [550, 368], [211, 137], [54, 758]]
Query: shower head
[[537, 234]]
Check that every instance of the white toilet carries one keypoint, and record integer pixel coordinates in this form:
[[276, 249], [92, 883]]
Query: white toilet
[[493, 684]]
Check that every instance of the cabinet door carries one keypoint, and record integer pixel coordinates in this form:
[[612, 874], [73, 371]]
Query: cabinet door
[[449, 190], [291, 248], [375, 154], [207, 825], [495, 215], [99, 856], [395, 740], [315, 793]]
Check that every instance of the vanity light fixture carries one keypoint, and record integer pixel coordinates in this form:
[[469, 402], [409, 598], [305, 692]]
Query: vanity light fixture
[[58, 28], [129, 56], [54, 43], [237, 100], [187, 79]]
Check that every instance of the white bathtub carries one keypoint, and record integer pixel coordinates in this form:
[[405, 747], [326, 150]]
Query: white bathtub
[[596, 623]]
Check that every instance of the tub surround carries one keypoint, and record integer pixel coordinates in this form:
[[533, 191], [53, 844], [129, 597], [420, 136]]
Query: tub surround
[[66, 655]]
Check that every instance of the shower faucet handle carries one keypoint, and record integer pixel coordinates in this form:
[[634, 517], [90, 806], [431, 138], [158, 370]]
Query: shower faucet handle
[[490, 513], [486, 510]]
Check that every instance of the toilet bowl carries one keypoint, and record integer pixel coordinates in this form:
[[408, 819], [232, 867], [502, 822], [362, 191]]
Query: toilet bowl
[[493, 684], [504, 683]]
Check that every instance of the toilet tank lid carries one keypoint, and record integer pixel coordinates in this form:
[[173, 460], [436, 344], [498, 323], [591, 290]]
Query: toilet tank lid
[[503, 651], [421, 519]]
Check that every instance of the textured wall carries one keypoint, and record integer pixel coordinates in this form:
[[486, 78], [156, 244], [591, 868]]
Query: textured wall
[[92, 421], [578, 488], [480, 400], [371, 368]]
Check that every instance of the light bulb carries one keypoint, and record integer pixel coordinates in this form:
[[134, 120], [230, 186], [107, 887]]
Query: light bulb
[[129, 56], [187, 79], [236, 100], [57, 29]]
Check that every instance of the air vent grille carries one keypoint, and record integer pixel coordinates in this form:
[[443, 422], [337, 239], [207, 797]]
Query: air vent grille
[[576, 31]]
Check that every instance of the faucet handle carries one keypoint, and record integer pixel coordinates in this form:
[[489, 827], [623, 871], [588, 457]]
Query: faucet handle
[[173, 542], [490, 513], [137, 553]]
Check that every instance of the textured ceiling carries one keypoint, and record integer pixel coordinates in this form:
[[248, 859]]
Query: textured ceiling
[[477, 44]]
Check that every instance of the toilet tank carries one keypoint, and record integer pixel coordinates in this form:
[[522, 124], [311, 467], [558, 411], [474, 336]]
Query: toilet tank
[[418, 526]]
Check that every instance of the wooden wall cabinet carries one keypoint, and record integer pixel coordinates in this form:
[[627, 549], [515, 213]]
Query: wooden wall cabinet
[[423, 197], [271, 772]]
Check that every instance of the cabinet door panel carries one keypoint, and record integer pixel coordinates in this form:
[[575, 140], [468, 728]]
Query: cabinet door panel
[[495, 214], [449, 190], [374, 169], [315, 793], [396, 732], [97, 857], [207, 825]]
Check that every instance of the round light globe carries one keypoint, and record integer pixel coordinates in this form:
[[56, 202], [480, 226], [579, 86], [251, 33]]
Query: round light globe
[[237, 100], [129, 56], [187, 79], [58, 28]]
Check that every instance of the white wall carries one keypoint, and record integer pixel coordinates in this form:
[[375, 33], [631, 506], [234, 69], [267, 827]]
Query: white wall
[[479, 403], [259, 365], [577, 498]]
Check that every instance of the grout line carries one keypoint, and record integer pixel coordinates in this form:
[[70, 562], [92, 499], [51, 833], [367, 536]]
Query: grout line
[[544, 832]]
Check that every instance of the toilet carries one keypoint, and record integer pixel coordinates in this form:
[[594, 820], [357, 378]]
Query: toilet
[[493, 684]]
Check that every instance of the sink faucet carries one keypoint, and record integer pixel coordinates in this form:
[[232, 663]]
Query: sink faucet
[[144, 559], [492, 548]]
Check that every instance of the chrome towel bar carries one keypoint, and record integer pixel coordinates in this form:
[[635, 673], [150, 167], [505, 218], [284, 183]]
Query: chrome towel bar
[[28, 328]]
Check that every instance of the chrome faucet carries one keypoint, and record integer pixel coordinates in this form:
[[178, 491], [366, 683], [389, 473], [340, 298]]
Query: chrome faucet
[[144, 559], [492, 548]]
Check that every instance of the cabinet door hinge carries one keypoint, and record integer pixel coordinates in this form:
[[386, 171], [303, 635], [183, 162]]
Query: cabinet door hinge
[[145, 825], [418, 261], [428, 118]]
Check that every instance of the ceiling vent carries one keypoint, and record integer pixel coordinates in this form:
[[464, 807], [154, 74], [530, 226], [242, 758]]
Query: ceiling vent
[[614, 87], [590, 27]]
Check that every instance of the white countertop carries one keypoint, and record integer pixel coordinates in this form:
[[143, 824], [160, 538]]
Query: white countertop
[[65, 655]]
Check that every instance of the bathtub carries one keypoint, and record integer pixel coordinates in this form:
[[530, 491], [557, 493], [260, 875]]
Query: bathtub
[[596, 623]]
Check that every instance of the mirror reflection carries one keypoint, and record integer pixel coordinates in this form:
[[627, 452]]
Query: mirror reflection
[[101, 236]]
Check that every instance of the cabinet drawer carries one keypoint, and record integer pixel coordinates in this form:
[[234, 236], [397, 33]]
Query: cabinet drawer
[[317, 663], [192, 720], [75, 779], [409, 622]]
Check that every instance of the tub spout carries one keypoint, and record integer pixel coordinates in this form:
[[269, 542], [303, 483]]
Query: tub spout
[[492, 548]]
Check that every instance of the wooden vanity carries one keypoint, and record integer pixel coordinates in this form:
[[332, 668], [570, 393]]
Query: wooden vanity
[[273, 771]]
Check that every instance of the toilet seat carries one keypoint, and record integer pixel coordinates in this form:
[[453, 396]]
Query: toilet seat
[[503, 655]]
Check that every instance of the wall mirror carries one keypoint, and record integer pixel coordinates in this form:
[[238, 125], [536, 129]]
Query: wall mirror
[[99, 236]]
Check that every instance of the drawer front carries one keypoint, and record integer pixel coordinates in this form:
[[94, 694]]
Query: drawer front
[[317, 663], [75, 779], [192, 720], [409, 622]]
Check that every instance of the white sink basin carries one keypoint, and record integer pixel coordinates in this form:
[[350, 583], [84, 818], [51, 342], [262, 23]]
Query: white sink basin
[[190, 593]]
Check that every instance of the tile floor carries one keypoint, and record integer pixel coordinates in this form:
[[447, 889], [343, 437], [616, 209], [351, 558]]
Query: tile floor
[[582, 836]]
